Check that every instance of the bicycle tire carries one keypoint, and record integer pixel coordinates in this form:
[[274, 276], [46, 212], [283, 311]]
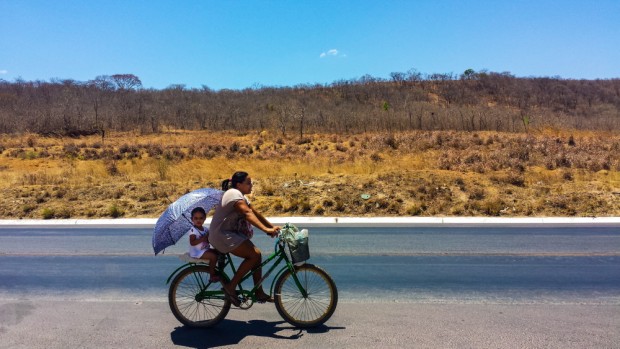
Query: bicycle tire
[[309, 311], [189, 305]]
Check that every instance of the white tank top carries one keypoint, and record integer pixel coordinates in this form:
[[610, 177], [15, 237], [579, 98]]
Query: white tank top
[[197, 250]]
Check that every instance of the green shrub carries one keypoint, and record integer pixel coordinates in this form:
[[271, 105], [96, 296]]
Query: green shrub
[[115, 211], [28, 208], [48, 213]]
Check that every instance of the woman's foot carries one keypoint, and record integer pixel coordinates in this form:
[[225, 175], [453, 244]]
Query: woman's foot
[[262, 297], [231, 295]]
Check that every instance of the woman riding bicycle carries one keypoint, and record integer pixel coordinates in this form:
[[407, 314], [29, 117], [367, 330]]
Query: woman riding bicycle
[[231, 230]]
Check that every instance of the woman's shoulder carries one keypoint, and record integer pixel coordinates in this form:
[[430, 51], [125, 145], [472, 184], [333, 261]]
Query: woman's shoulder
[[232, 195]]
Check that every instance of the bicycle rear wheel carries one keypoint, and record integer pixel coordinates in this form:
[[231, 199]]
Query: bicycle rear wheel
[[312, 310], [194, 301]]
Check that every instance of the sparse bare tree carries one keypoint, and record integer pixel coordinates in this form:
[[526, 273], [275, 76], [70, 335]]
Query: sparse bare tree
[[475, 101]]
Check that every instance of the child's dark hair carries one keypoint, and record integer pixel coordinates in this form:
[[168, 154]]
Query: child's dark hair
[[198, 209], [238, 177]]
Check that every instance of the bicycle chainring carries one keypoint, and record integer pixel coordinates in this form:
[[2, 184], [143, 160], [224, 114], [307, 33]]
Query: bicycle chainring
[[246, 302]]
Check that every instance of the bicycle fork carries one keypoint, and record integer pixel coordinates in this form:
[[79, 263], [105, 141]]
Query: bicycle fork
[[299, 285]]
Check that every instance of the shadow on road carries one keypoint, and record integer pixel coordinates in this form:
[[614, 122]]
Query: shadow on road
[[230, 332]]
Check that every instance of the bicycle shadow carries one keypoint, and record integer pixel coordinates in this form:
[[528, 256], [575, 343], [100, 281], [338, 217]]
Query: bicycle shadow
[[231, 332]]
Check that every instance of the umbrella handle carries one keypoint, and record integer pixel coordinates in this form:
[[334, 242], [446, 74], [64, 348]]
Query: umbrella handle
[[189, 220]]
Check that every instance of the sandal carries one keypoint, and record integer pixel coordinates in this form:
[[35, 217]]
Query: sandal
[[232, 298], [265, 298]]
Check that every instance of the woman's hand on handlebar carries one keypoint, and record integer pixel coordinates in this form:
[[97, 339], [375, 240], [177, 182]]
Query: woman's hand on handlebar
[[273, 231]]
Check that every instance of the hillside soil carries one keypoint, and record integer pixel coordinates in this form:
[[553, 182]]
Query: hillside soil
[[418, 173]]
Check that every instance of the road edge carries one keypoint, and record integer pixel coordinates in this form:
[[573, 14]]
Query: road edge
[[338, 222]]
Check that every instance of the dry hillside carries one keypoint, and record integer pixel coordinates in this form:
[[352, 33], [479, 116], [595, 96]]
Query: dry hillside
[[545, 172]]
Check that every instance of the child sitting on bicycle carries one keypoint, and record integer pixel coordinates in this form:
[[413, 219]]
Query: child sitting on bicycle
[[199, 242]]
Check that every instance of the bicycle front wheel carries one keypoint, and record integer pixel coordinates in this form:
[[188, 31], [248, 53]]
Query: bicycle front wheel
[[194, 301], [316, 307]]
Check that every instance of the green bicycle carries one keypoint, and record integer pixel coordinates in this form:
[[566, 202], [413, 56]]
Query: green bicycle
[[304, 294]]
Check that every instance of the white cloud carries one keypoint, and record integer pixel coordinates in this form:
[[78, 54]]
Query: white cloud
[[3, 71], [332, 52]]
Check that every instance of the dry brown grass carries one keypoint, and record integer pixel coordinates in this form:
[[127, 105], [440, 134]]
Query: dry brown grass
[[548, 172]]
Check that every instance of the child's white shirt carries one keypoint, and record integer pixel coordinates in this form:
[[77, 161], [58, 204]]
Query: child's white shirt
[[198, 250]]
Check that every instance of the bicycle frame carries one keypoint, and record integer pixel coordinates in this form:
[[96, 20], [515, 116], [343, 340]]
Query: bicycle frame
[[279, 255]]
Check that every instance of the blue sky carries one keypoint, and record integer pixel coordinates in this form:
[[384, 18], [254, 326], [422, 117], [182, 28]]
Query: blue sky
[[240, 44]]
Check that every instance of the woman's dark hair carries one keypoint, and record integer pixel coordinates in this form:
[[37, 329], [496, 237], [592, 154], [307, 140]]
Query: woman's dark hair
[[238, 177], [198, 209]]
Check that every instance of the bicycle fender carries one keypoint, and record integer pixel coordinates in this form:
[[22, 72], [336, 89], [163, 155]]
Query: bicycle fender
[[177, 270]]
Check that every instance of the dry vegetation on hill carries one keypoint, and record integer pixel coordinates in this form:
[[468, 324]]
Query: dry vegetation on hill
[[478, 144], [475, 101], [410, 173]]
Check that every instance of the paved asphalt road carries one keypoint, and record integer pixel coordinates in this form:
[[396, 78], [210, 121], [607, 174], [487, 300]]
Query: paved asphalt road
[[428, 288], [114, 324]]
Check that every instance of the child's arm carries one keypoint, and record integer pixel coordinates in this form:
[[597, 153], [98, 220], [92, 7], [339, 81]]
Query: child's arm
[[193, 240]]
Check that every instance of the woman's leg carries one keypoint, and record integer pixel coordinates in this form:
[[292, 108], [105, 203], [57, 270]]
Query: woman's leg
[[258, 273], [251, 259]]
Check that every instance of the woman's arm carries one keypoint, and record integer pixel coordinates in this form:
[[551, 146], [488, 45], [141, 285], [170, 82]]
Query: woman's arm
[[255, 218], [261, 218]]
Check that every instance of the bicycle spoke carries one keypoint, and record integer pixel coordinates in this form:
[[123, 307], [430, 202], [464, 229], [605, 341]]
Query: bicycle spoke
[[192, 300], [316, 307]]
